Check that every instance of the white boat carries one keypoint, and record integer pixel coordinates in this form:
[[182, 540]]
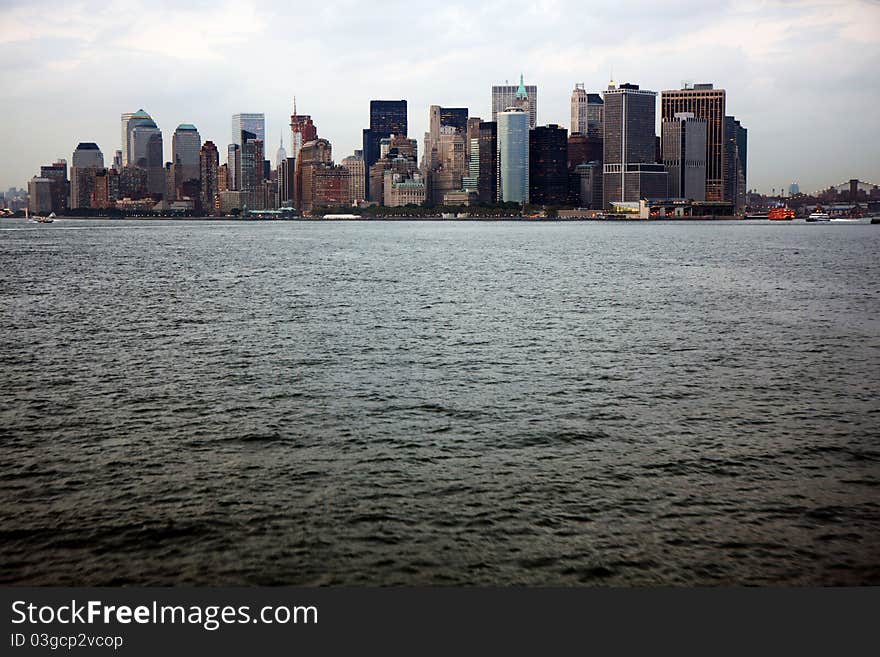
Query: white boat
[[818, 215]]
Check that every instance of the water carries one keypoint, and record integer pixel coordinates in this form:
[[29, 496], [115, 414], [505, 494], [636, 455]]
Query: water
[[414, 403]]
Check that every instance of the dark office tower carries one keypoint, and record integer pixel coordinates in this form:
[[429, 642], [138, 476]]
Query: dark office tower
[[586, 183], [630, 168], [705, 102], [548, 165], [487, 181], [56, 173], [286, 184], [582, 148], [155, 168], [684, 155], [250, 173], [455, 117], [387, 117], [209, 164], [87, 161], [735, 163]]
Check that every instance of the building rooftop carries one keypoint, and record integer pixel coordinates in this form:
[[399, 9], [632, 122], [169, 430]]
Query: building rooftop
[[87, 146], [141, 114], [187, 126]]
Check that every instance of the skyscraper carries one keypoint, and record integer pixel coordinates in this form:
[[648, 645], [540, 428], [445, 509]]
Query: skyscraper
[[280, 154], [40, 195], [302, 130], [508, 95], [548, 165], [57, 174], [131, 120], [735, 138], [186, 144], [683, 147], [86, 162], [209, 164], [255, 123], [487, 182], [355, 165], [704, 102], [631, 171], [513, 155], [250, 171], [586, 112], [387, 117]]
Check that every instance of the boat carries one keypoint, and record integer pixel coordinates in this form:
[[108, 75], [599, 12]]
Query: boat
[[781, 214], [819, 215]]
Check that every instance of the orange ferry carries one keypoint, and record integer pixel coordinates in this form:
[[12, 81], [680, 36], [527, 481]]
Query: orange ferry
[[781, 214]]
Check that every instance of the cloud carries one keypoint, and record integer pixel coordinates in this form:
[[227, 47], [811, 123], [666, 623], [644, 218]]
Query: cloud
[[792, 69]]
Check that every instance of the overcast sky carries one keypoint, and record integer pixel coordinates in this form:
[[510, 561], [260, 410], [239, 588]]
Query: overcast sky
[[801, 76]]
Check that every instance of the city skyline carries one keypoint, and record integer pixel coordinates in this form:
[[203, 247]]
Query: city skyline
[[802, 64]]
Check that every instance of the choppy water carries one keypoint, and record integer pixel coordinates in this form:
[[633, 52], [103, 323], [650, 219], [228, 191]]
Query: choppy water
[[314, 403]]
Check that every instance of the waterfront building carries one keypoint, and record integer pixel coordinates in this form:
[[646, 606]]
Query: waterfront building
[[145, 151], [133, 183], [357, 185], [229, 202], [511, 95], [387, 117], [186, 144], [704, 102], [56, 173], [735, 150], [252, 122], [587, 185], [233, 159], [630, 168], [223, 178], [586, 112], [684, 155], [332, 186], [40, 195], [548, 165], [513, 155], [302, 130], [450, 166], [209, 166], [286, 182], [402, 190], [131, 120], [313, 155], [106, 191], [87, 160], [487, 180], [250, 170]]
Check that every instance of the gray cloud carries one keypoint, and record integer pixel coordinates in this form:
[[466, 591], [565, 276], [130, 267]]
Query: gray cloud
[[800, 75]]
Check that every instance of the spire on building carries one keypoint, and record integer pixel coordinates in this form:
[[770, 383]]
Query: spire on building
[[521, 90]]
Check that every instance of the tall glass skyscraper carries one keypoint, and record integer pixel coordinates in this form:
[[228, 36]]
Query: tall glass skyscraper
[[513, 156], [387, 117], [185, 146], [255, 123]]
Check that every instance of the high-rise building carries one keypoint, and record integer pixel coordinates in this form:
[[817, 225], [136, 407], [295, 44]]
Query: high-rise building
[[209, 164], [313, 155], [586, 112], [582, 148], [512, 95], [735, 163], [387, 117], [683, 147], [253, 122], [631, 170], [86, 162], [302, 130], [587, 185], [704, 102], [450, 166], [56, 173], [40, 195], [280, 154], [145, 152], [250, 171], [131, 120], [286, 183], [355, 165], [186, 144], [487, 181], [513, 155], [548, 165], [117, 160]]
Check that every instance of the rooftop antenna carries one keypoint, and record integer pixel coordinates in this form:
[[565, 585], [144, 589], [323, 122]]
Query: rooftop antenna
[[294, 105]]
